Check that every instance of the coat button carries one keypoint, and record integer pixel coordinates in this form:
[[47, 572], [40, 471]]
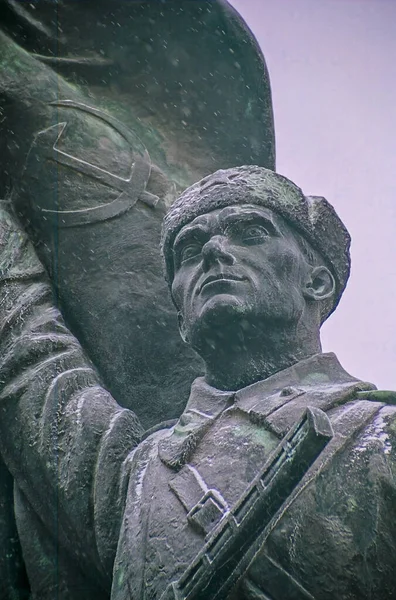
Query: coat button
[[288, 391]]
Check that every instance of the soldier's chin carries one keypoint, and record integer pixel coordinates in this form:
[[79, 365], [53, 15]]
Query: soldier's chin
[[219, 312], [223, 316]]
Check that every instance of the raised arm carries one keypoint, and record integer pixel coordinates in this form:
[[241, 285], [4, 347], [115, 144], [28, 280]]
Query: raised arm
[[62, 436]]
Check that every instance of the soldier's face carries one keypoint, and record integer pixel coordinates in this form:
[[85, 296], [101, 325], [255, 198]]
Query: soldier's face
[[238, 263]]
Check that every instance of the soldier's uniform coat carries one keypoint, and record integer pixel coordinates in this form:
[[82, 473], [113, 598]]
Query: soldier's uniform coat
[[102, 514]]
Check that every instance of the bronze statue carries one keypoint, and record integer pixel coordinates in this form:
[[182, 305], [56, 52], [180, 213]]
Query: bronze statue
[[106, 114], [105, 117], [277, 481]]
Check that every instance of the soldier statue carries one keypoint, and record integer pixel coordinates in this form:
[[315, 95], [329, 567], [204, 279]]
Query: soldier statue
[[278, 480], [108, 110]]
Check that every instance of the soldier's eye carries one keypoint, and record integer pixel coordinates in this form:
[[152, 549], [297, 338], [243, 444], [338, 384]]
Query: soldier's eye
[[189, 251], [254, 234]]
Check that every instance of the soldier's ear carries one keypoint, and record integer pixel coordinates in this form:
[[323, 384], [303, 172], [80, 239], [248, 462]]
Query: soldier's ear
[[320, 284], [182, 328]]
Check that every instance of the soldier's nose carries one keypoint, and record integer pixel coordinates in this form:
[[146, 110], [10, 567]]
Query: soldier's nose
[[215, 250]]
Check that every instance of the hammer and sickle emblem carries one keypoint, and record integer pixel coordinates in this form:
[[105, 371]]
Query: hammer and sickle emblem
[[131, 189]]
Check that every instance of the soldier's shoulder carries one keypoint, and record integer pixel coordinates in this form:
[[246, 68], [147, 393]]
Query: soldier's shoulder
[[379, 432], [367, 417]]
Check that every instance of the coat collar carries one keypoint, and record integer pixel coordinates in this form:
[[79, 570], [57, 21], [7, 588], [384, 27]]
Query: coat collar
[[276, 402], [320, 370]]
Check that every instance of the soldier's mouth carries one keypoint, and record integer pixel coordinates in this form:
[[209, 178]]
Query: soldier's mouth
[[220, 277]]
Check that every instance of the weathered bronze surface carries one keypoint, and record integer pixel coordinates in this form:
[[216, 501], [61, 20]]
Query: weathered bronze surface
[[277, 480], [106, 114]]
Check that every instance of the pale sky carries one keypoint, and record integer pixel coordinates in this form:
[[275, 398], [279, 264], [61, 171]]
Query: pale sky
[[332, 65]]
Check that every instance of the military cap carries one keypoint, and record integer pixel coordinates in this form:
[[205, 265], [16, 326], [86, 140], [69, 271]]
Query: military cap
[[312, 216]]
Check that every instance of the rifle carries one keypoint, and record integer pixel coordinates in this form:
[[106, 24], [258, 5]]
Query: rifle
[[225, 556]]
